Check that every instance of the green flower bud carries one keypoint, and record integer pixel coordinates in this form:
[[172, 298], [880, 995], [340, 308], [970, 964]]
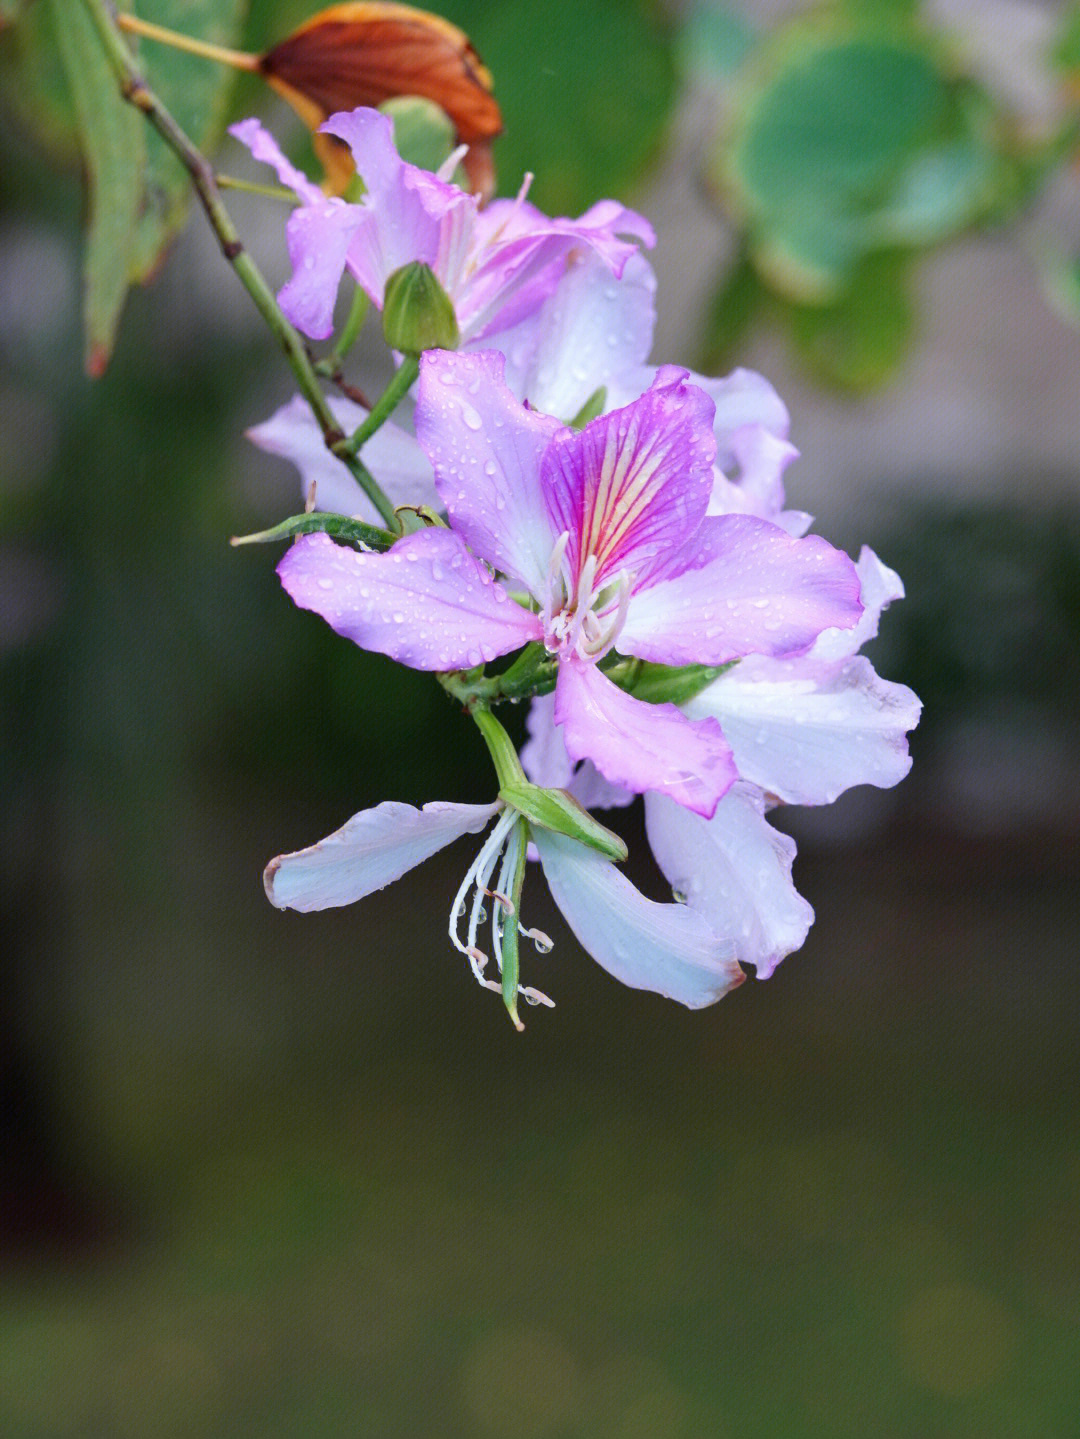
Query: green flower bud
[[417, 313]]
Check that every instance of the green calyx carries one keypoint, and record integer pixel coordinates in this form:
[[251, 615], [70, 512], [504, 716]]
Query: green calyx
[[553, 809], [557, 810], [668, 684], [417, 312]]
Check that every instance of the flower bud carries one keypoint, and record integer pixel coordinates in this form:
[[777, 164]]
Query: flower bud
[[417, 312]]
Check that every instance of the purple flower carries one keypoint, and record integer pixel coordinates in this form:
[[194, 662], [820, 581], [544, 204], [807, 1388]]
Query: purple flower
[[661, 947], [802, 730], [604, 534], [497, 265]]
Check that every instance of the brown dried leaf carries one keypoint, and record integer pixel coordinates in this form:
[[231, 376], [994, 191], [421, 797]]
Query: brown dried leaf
[[364, 54]]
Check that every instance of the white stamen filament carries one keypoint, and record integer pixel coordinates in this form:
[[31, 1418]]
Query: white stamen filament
[[445, 172], [478, 874], [502, 847], [573, 612]]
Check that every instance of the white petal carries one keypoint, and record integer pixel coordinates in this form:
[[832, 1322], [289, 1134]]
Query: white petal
[[667, 948], [879, 586], [370, 850], [735, 871], [593, 326], [806, 730], [392, 455]]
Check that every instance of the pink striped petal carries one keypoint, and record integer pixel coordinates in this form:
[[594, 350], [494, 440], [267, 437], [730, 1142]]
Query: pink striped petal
[[632, 484], [426, 603], [641, 746]]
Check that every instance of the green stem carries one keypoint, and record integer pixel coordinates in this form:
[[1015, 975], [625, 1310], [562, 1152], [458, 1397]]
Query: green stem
[[135, 90], [500, 747], [384, 407], [511, 968], [354, 321], [532, 673], [252, 187]]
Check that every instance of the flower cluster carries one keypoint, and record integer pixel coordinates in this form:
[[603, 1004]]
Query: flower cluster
[[620, 531]]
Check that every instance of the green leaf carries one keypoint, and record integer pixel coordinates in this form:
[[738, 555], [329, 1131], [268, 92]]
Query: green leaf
[[853, 137], [1067, 47], [10, 10], [736, 302], [113, 138], [592, 407], [668, 684], [585, 91], [859, 341], [423, 133], [341, 527], [138, 190], [196, 93], [34, 87], [715, 40]]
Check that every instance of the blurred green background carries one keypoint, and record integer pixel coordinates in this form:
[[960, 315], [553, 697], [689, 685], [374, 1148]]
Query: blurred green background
[[277, 1175]]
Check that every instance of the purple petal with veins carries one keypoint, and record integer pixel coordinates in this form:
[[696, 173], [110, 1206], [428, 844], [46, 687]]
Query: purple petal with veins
[[631, 485], [427, 603]]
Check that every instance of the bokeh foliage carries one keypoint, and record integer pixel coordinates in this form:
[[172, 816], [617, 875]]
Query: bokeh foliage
[[854, 139]]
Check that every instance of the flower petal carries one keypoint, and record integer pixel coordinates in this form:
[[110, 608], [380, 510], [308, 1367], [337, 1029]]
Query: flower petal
[[265, 149], [521, 256], [750, 588], [403, 208], [318, 237], [806, 730], [392, 455], [545, 760], [879, 586], [641, 746], [633, 483], [667, 948], [486, 450], [735, 871], [370, 850], [589, 329], [755, 484], [426, 603]]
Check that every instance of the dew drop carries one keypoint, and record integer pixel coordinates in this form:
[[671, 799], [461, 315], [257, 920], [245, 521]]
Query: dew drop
[[325, 584]]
